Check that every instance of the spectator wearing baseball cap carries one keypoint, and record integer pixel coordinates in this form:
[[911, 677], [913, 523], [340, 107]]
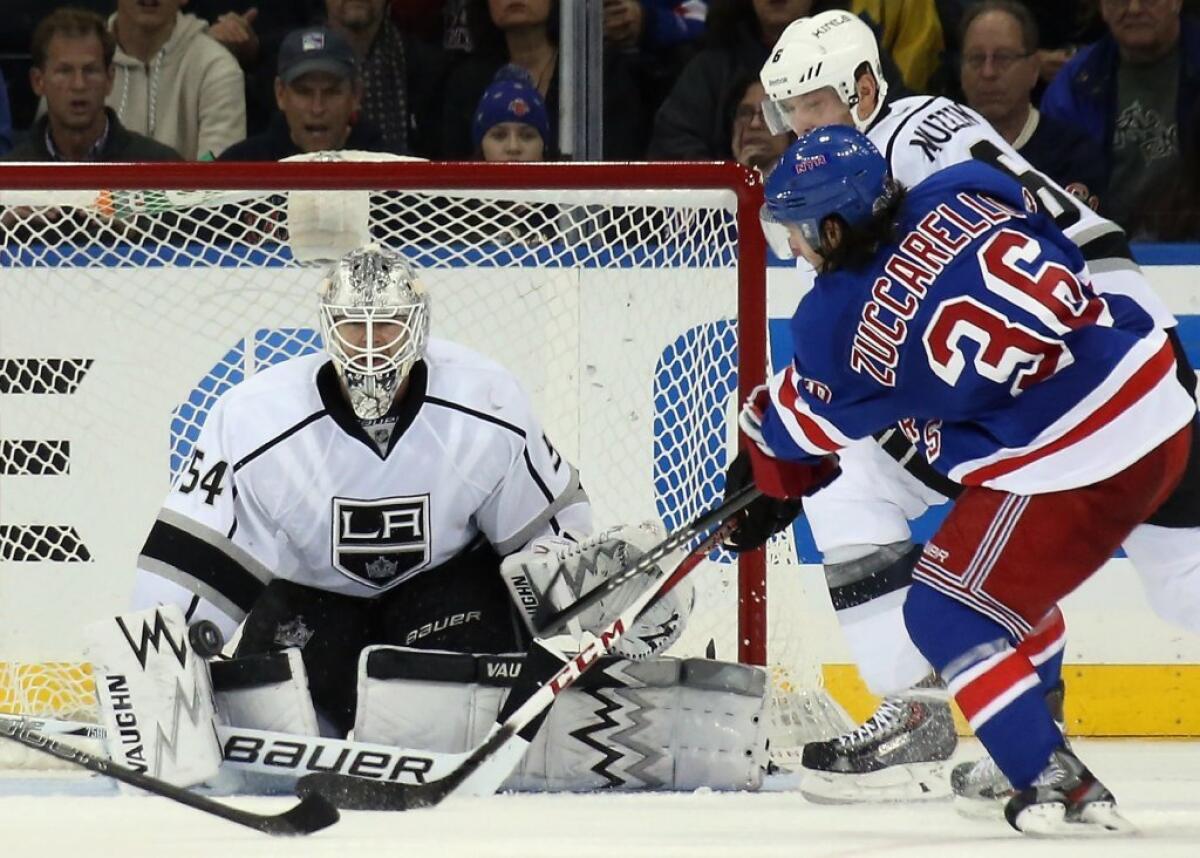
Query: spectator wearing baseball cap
[[510, 122], [318, 90]]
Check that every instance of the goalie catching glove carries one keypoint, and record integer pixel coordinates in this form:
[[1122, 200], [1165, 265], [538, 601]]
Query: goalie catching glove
[[553, 572]]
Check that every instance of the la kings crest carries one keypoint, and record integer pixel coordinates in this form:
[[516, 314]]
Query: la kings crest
[[379, 542]]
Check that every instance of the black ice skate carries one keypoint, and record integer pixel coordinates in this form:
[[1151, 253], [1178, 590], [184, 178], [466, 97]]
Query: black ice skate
[[898, 754], [980, 788], [1065, 800]]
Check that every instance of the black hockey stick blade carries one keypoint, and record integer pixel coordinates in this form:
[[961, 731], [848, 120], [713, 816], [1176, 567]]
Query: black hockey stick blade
[[312, 813]]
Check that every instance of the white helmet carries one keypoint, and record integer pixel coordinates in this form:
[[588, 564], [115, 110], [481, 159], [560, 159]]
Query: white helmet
[[375, 322], [813, 53]]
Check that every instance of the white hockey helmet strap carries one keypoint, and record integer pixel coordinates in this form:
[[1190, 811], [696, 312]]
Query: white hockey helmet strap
[[377, 289], [813, 53]]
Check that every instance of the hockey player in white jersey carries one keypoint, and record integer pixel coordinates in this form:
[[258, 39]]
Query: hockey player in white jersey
[[355, 509], [825, 70]]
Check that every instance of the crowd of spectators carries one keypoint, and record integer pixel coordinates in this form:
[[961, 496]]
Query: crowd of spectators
[[1101, 95]]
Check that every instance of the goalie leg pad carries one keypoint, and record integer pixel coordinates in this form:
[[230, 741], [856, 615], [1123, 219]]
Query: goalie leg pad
[[265, 692], [428, 699], [154, 695], [660, 723]]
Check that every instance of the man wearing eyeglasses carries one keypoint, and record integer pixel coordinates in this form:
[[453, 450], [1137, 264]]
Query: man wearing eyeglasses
[[1132, 90], [752, 144], [998, 74]]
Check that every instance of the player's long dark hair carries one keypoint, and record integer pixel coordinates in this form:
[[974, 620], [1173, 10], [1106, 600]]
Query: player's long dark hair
[[859, 245]]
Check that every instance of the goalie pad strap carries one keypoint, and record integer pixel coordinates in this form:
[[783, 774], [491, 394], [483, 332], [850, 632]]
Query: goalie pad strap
[[250, 671], [399, 663], [396, 663]]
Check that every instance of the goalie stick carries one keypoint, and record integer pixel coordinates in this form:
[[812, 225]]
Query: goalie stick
[[312, 813], [270, 752], [544, 677]]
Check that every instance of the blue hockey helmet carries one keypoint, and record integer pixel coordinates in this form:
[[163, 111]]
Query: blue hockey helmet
[[834, 170]]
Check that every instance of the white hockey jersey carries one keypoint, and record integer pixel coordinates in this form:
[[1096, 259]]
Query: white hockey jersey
[[284, 482], [920, 135]]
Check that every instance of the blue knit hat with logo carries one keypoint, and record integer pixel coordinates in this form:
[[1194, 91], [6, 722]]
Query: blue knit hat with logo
[[511, 97]]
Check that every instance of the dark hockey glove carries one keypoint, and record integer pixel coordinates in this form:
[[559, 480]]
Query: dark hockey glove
[[764, 517]]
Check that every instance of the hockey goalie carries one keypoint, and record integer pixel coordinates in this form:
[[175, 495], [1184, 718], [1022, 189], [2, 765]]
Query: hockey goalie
[[376, 529]]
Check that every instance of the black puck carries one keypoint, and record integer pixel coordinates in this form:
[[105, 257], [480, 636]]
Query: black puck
[[206, 639]]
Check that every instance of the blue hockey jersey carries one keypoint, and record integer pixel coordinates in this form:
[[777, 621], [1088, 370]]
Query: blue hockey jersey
[[977, 332]]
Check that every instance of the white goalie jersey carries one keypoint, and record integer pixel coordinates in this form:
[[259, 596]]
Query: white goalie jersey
[[285, 482]]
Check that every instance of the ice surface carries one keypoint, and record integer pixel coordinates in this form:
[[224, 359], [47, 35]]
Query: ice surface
[[1156, 783]]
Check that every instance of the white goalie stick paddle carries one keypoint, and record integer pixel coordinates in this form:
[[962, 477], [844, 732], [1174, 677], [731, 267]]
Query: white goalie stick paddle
[[273, 753], [543, 678], [312, 813]]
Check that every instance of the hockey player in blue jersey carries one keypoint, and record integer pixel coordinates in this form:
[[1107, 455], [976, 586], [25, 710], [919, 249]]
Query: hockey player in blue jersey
[[958, 310], [825, 70]]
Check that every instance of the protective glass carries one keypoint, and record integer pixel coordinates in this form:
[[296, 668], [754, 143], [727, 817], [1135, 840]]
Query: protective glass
[[778, 115]]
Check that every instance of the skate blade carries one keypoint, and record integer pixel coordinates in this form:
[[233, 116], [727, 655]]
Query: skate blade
[[907, 783], [1098, 819], [980, 807]]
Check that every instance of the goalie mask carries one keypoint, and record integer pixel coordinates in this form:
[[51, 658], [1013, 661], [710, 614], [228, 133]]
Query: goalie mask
[[375, 323]]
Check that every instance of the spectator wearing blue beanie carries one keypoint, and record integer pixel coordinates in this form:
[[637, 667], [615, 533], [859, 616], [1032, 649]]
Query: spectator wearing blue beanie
[[510, 122]]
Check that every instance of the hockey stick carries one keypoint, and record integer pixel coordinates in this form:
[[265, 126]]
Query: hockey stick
[[312, 813], [544, 677], [274, 753], [57, 727]]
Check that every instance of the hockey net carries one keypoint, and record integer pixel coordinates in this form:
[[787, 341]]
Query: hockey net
[[628, 299]]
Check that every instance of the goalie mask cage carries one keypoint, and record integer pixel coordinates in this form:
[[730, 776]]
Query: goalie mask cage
[[629, 300]]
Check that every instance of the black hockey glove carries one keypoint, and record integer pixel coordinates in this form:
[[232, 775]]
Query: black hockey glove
[[763, 518]]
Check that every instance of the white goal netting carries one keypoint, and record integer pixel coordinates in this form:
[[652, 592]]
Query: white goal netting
[[613, 295]]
